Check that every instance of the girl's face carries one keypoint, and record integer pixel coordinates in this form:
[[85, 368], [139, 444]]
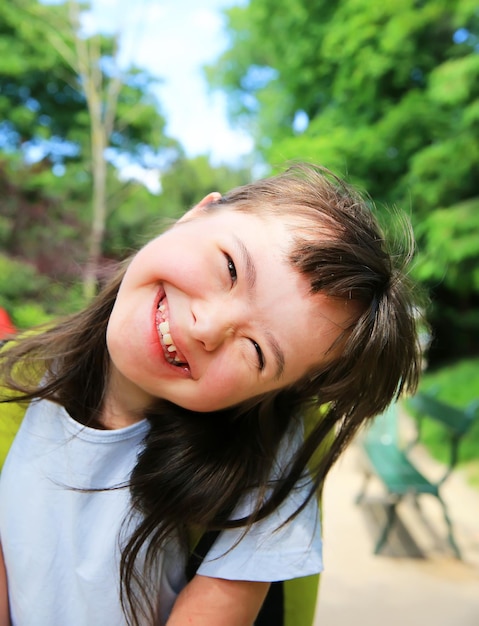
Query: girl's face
[[210, 314]]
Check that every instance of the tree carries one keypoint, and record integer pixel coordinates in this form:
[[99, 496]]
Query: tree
[[184, 183], [67, 99], [386, 93]]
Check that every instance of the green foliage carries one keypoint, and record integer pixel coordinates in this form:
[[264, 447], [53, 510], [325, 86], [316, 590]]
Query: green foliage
[[187, 181], [20, 285], [18, 280], [388, 95], [31, 298], [139, 215], [132, 221], [30, 314], [42, 216], [457, 383], [457, 266], [47, 214], [47, 210], [42, 93]]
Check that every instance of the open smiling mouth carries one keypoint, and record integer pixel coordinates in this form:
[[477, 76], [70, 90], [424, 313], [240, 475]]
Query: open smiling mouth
[[171, 352]]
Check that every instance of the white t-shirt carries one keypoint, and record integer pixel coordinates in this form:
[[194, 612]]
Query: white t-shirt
[[61, 544]]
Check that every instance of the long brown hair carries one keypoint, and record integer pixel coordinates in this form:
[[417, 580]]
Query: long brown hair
[[192, 472]]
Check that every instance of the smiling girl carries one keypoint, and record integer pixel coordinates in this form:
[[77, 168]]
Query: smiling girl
[[176, 400]]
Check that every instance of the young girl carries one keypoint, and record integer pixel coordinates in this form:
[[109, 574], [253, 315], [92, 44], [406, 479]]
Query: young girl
[[174, 404]]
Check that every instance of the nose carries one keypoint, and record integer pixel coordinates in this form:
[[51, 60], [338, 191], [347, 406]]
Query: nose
[[213, 323]]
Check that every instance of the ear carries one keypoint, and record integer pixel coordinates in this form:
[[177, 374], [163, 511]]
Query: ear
[[199, 208], [211, 197]]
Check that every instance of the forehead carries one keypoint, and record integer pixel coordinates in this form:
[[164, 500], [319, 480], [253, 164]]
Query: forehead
[[271, 228]]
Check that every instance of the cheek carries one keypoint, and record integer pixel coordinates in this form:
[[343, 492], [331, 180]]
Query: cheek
[[224, 382], [117, 344], [225, 386]]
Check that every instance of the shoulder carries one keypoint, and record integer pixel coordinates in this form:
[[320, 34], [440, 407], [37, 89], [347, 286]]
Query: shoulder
[[284, 545], [274, 549]]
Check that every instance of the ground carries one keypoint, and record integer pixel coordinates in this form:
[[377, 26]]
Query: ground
[[416, 581]]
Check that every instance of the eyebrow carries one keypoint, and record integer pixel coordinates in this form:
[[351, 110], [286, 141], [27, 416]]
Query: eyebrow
[[278, 354], [250, 270], [248, 264]]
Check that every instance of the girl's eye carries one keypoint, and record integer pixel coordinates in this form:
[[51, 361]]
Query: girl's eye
[[234, 277], [231, 268], [259, 352]]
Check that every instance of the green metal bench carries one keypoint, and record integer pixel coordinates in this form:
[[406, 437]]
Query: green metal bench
[[392, 465]]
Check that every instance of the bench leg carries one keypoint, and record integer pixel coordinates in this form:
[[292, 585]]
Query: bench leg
[[362, 493], [390, 517], [450, 534]]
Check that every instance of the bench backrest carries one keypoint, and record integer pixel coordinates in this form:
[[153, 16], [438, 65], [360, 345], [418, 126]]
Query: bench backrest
[[456, 421]]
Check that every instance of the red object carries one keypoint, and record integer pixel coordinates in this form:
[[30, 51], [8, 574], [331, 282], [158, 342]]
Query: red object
[[6, 326]]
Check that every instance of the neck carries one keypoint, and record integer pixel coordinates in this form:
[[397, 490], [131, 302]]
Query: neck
[[123, 403]]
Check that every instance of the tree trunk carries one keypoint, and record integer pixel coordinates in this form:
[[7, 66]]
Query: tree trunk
[[99, 210]]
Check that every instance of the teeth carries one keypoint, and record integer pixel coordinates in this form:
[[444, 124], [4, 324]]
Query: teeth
[[167, 340], [164, 328]]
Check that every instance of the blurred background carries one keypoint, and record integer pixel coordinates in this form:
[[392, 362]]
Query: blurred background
[[115, 116]]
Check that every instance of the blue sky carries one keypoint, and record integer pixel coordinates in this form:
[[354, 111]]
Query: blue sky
[[173, 40]]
